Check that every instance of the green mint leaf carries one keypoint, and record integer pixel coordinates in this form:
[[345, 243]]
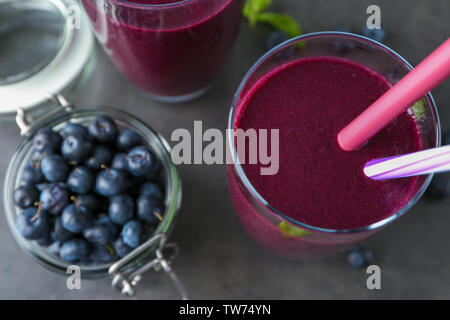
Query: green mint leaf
[[418, 109], [281, 22], [252, 8], [290, 230]]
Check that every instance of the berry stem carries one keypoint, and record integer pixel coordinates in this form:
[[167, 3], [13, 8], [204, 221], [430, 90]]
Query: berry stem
[[158, 215], [75, 200], [105, 167], [38, 164], [36, 216]]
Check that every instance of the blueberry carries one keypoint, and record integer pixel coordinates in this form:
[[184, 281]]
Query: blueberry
[[149, 209], [342, 46], [75, 129], [32, 175], [121, 248], [104, 219], [59, 233], [45, 241], [103, 129], [439, 187], [55, 168], [151, 189], [54, 248], [359, 257], [142, 162], [102, 232], [121, 209], [90, 201], [128, 139], [155, 172], [25, 196], [33, 170], [100, 156], [37, 157], [98, 234], [75, 148], [33, 223], [374, 34], [446, 138], [76, 218], [343, 29], [102, 254], [41, 186], [81, 180], [275, 38], [120, 161], [54, 198], [74, 250], [111, 182], [46, 139], [133, 233]]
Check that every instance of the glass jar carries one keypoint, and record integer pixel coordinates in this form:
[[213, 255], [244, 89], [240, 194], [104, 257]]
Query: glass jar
[[149, 254], [274, 229]]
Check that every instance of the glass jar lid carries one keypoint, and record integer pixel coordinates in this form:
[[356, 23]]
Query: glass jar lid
[[46, 49]]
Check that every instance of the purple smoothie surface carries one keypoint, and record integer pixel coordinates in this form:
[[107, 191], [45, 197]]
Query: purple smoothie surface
[[310, 100], [157, 2]]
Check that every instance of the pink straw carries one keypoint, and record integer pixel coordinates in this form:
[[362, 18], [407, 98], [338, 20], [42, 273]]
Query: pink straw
[[413, 164], [428, 74]]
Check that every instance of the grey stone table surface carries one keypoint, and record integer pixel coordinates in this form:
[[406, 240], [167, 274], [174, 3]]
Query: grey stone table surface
[[217, 259]]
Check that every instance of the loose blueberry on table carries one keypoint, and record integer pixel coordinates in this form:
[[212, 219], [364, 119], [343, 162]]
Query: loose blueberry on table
[[90, 193], [375, 34], [359, 257], [275, 38]]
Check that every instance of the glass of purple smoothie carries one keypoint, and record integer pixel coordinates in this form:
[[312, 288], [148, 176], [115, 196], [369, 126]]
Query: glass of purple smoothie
[[174, 49], [320, 202]]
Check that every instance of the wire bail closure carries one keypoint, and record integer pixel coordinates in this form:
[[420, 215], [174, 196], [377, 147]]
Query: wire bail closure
[[23, 122], [125, 280]]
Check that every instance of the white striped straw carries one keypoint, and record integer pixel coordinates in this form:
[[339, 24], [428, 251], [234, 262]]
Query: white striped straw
[[413, 164]]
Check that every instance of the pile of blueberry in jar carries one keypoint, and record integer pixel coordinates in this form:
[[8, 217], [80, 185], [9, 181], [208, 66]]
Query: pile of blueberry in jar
[[90, 194]]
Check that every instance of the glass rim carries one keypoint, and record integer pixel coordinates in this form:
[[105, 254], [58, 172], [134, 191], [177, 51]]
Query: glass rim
[[144, 5], [249, 186], [173, 194]]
